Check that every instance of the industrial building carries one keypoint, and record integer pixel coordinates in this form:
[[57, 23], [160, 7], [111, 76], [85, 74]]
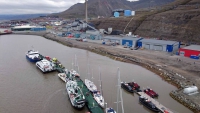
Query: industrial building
[[159, 45], [130, 41], [190, 51], [112, 39]]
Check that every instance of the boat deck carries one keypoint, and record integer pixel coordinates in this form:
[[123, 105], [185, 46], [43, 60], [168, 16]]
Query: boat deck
[[157, 104]]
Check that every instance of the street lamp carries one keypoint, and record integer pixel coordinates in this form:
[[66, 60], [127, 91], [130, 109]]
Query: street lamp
[[86, 11]]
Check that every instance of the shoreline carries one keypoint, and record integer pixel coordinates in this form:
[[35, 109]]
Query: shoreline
[[166, 72]]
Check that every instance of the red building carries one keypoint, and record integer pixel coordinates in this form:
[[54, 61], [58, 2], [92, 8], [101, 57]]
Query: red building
[[192, 50]]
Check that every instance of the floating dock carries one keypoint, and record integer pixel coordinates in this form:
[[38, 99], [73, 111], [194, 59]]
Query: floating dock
[[157, 104]]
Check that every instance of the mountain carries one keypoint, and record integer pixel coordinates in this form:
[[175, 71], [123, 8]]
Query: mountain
[[178, 20], [22, 16], [105, 7]]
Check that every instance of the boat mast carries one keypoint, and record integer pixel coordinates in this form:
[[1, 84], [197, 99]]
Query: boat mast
[[86, 13], [101, 91], [119, 92]]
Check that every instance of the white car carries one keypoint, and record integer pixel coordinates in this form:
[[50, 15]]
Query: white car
[[45, 65]]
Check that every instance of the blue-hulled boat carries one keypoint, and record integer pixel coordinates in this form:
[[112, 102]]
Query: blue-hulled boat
[[33, 56]]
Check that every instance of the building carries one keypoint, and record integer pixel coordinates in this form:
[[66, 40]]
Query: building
[[130, 41], [112, 39], [159, 45], [192, 50]]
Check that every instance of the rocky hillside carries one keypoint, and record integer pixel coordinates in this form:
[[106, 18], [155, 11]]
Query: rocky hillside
[[179, 20], [105, 7]]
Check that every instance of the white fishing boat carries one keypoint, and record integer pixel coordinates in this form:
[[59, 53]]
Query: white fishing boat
[[73, 72], [45, 65], [98, 96], [75, 94], [33, 56]]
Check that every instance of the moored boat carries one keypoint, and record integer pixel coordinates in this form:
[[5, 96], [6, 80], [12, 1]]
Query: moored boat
[[110, 110], [62, 76], [147, 103], [77, 99], [74, 73], [99, 98], [126, 86], [33, 56], [90, 85], [151, 93], [45, 65], [134, 86]]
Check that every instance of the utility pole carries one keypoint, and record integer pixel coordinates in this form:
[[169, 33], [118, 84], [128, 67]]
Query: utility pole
[[86, 16]]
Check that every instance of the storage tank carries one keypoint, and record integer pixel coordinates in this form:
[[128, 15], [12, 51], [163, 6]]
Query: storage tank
[[116, 14], [127, 12], [190, 90], [109, 30], [133, 13]]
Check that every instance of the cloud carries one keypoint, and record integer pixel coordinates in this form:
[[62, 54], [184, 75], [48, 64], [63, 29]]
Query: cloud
[[35, 6]]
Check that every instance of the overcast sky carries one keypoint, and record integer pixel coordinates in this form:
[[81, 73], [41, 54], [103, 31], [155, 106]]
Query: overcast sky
[[36, 6]]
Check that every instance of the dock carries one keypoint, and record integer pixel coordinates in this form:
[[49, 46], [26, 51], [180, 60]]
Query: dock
[[157, 104]]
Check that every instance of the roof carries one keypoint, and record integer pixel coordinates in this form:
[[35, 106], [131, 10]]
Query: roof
[[112, 38], [131, 38], [154, 41], [192, 47]]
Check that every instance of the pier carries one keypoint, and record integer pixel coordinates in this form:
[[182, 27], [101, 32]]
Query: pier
[[162, 108]]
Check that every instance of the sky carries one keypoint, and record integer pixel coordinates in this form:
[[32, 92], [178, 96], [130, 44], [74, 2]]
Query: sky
[[36, 6]]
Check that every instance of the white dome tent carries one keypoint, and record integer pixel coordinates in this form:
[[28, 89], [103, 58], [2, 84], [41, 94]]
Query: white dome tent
[[191, 90]]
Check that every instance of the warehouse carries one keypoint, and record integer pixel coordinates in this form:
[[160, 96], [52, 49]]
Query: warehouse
[[159, 45], [112, 39], [192, 51], [130, 42]]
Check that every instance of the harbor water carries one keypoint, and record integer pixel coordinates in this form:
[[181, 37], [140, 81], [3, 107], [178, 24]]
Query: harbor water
[[25, 89]]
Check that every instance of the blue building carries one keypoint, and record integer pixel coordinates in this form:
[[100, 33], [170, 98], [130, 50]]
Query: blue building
[[130, 41], [159, 45]]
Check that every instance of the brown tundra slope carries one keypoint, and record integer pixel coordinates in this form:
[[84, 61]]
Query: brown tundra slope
[[179, 21]]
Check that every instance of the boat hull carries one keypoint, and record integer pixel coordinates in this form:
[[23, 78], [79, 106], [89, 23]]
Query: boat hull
[[145, 104], [32, 60], [126, 88]]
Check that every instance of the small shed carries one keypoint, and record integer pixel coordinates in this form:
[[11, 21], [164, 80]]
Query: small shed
[[159, 45], [130, 41], [190, 51]]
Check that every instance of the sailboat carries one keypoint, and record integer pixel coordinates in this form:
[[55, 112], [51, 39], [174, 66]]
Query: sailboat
[[119, 92], [90, 85], [98, 94]]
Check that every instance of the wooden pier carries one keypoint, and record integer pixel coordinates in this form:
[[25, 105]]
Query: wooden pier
[[157, 104]]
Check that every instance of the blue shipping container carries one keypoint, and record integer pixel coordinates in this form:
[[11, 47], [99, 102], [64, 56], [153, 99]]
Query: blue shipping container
[[194, 57], [127, 12], [116, 14]]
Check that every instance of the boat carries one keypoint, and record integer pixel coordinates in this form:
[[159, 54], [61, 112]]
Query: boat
[[110, 110], [147, 103], [74, 73], [33, 56], [151, 93], [98, 96], [45, 65], [77, 99], [62, 76], [27, 27], [134, 86], [90, 85], [127, 87]]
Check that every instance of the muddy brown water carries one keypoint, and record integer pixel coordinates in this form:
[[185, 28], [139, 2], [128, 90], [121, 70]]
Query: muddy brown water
[[25, 89]]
